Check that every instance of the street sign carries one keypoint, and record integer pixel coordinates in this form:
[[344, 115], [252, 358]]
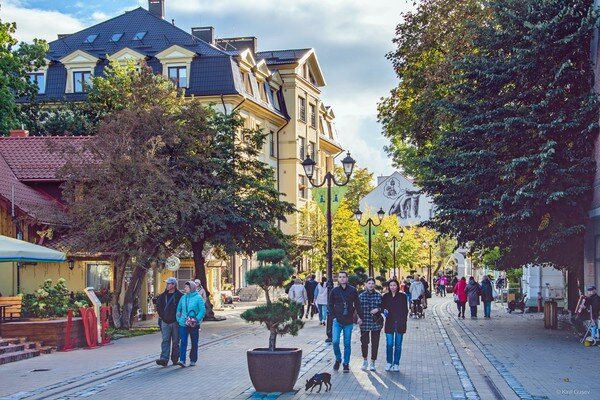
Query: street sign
[[172, 263], [337, 195]]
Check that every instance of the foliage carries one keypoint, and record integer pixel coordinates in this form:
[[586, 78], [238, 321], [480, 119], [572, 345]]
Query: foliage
[[518, 122], [269, 276], [116, 334], [270, 256], [52, 301], [349, 247], [358, 277], [15, 64], [313, 227], [514, 275], [359, 185], [66, 118]]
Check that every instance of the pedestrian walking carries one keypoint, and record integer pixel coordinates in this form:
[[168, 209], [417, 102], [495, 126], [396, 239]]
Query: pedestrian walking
[[200, 289], [487, 295], [370, 330], [343, 303], [427, 292], [395, 306], [407, 288], [166, 306], [442, 283], [460, 296], [473, 291], [321, 300], [190, 312], [417, 292], [310, 286], [298, 295]]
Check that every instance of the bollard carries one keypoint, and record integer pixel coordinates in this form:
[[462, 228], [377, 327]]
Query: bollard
[[105, 312], [68, 345], [551, 315]]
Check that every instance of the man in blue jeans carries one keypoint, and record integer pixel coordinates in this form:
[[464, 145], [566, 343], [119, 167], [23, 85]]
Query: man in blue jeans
[[166, 305], [343, 303]]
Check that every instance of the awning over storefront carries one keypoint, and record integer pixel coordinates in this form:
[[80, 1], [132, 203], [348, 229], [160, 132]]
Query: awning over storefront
[[21, 251]]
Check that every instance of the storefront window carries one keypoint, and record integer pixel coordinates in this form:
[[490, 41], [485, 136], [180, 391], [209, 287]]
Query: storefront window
[[98, 276]]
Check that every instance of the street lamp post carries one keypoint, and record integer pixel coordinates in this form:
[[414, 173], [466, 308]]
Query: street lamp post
[[393, 240], [309, 169], [370, 223], [427, 244]]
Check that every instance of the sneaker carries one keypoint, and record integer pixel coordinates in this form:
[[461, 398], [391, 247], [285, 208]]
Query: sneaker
[[463, 317], [192, 363], [162, 362], [365, 365], [336, 366], [388, 366], [181, 364], [372, 366], [395, 368], [327, 340], [346, 368]]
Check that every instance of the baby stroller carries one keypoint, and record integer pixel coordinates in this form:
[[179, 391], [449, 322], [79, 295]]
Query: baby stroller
[[416, 308]]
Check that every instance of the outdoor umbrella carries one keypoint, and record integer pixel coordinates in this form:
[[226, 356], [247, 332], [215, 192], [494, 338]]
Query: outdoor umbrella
[[19, 250]]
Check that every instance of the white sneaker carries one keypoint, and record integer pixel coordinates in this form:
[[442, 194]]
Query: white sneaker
[[395, 368], [365, 365], [372, 366], [192, 363], [388, 366]]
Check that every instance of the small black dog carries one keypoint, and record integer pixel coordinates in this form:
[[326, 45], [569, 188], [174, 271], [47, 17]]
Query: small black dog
[[319, 379]]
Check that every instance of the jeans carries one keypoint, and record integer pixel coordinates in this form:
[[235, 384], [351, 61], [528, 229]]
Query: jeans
[[322, 312], [443, 290], [393, 347], [409, 297], [473, 311], [194, 334], [487, 308], [337, 333], [364, 343], [461, 308], [170, 341], [311, 308]]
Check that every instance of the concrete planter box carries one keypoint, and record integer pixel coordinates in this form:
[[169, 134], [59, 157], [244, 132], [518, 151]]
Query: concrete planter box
[[47, 332]]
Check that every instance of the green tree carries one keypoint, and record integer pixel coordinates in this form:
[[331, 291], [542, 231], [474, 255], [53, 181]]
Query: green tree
[[349, 247], [15, 64], [360, 184], [313, 228]]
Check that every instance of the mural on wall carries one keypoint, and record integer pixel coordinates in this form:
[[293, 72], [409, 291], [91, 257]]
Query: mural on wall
[[406, 202]]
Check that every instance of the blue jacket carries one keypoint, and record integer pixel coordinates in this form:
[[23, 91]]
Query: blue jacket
[[191, 304]]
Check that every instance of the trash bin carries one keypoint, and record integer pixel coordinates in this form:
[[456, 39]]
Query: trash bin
[[551, 315]]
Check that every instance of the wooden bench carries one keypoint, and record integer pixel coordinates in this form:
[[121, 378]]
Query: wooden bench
[[13, 311]]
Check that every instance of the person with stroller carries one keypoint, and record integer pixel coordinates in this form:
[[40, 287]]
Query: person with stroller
[[473, 291], [395, 306], [370, 330], [460, 296], [417, 292]]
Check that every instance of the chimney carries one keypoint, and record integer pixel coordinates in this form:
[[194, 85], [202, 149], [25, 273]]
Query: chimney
[[19, 133], [205, 33], [239, 43], [157, 7], [63, 35]]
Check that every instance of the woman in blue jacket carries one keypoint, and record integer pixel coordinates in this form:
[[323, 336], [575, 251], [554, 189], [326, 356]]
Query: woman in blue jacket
[[190, 312]]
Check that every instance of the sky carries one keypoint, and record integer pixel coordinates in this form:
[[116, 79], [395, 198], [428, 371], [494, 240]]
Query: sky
[[350, 37]]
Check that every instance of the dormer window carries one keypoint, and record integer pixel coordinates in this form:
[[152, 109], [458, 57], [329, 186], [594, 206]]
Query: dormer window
[[82, 80], [275, 92], [90, 39], [39, 79], [139, 35], [247, 84], [262, 92], [179, 76], [116, 37]]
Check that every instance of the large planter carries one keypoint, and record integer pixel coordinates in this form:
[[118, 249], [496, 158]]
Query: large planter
[[274, 371], [49, 332]]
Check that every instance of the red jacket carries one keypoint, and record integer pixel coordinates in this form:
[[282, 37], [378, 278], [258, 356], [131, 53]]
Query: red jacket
[[459, 289]]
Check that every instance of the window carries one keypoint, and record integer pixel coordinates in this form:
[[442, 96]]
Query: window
[[330, 130], [313, 116], [261, 91], [81, 81], [275, 94], [90, 38], [302, 148], [179, 76], [302, 189], [40, 80], [98, 276], [322, 126], [247, 84], [116, 37], [313, 151], [272, 144], [183, 275], [302, 109], [139, 35]]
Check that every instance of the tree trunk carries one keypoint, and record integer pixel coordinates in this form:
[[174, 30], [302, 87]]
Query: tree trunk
[[120, 265], [131, 294], [267, 296], [272, 340], [200, 273]]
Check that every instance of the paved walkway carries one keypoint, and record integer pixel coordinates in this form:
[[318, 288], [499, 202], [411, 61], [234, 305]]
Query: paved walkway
[[507, 357]]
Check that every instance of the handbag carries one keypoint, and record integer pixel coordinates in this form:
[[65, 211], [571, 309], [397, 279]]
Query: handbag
[[428, 294], [190, 322], [456, 298]]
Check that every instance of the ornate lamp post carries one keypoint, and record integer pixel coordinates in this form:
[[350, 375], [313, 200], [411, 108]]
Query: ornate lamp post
[[329, 180], [370, 223], [393, 240]]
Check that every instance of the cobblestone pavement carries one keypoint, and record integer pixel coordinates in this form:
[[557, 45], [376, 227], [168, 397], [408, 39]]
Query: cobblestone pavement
[[507, 357]]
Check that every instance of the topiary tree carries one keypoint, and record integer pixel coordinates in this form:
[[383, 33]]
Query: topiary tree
[[279, 317]]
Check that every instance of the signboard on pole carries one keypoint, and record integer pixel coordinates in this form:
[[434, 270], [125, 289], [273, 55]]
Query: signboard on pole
[[337, 195]]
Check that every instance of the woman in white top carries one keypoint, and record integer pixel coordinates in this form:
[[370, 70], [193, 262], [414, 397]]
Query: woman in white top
[[321, 300], [298, 295]]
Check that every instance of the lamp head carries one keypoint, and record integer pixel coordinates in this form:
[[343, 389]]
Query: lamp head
[[309, 167], [358, 214], [348, 164], [380, 214]]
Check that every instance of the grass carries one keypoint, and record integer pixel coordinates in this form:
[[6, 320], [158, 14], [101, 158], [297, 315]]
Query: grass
[[116, 334]]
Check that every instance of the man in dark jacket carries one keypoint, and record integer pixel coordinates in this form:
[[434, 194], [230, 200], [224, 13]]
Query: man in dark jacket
[[343, 303], [487, 295], [310, 286], [166, 306]]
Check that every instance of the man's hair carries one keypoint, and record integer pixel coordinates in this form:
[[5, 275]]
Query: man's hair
[[370, 279], [343, 272], [313, 276], [324, 279]]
